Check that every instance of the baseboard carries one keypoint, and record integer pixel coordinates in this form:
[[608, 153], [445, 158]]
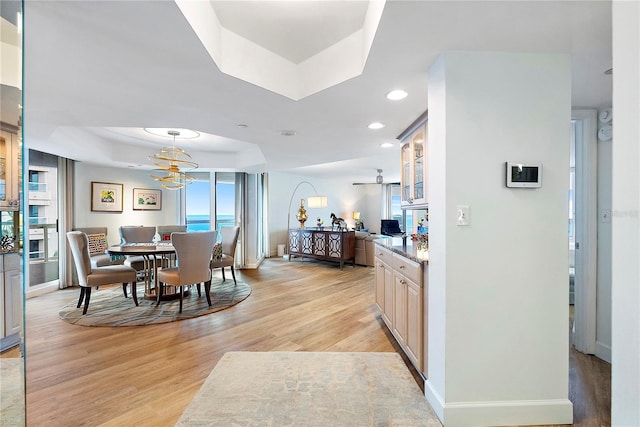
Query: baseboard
[[42, 290], [603, 351], [254, 265], [434, 399], [500, 413], [508, 413]]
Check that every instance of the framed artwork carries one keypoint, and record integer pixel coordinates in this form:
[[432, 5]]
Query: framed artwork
[[147, 200], [106, 197]]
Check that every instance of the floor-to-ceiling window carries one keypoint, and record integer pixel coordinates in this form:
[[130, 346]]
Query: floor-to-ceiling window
[[238, 200], [226, 200], [198, 203], [42, 209]]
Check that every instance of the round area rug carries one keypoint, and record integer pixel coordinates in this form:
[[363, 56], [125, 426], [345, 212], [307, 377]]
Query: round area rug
[[109, 307]]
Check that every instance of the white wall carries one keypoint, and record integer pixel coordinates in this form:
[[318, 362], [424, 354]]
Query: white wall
[[131, 178], [343, 199], [498, 309], [625, 367]]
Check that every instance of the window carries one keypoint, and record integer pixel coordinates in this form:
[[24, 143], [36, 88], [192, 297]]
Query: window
[[198, 203], [225, 199]]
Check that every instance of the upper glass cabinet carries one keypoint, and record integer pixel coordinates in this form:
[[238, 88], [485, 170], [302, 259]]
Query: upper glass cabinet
[[413, 154]]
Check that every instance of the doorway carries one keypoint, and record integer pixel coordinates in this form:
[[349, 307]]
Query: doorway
[[583, 227]]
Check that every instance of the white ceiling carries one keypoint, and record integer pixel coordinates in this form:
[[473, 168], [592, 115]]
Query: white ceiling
[[98, 72], [295, 30]]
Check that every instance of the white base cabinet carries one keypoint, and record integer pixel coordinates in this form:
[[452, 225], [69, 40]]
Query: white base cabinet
[[400, 296], [11, 296]]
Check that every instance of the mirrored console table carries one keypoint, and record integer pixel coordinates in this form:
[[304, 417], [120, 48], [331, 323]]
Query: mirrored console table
[[327, 245]]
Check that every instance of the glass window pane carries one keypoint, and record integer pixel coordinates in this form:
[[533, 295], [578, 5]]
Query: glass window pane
[[225, 199], [198, 203]]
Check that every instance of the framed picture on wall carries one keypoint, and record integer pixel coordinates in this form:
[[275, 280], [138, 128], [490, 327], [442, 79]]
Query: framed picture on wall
[[106, 197], [147, 200]]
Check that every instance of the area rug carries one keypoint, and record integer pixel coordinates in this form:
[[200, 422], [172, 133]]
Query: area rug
[[109, 307], [11, 391], [309, 389]]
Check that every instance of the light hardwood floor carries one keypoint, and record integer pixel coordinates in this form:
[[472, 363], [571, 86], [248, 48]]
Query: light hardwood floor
[[146, 376]]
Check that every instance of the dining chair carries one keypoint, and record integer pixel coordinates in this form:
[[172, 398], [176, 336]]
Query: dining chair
[[137, 234], [89, 276], [229, 237], [98, 242], [165, 230], [193, 257]]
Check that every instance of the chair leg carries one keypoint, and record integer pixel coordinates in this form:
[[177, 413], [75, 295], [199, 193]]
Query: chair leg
[[207, 290], [223, 278], [159, 293], [86, 301], [181, 289], [134, 292], [233, 273], [124, 289], [199, 292], [81, 296]]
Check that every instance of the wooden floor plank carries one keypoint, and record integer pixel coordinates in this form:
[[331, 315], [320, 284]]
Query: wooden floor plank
[[147, 375]]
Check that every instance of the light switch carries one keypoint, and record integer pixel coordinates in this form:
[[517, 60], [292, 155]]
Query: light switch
[[462, 212]]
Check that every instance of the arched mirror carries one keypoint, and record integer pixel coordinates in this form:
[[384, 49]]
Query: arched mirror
[[12, 324]]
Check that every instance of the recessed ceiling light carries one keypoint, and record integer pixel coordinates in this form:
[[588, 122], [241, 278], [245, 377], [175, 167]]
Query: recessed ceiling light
[[396, 95], [386, 144], [288, 132], [243, 126], [376, 125], [184, 133]]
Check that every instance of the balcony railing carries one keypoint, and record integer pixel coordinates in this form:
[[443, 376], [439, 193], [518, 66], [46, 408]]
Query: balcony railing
[[39, 220], [37, 186]]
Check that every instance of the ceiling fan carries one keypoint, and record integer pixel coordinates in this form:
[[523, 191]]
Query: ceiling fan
[[379, 180]]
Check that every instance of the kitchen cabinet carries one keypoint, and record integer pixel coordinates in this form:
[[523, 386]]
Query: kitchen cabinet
[[400, 294], [384, 284], [413, 168], [9, 171], [11, 296]]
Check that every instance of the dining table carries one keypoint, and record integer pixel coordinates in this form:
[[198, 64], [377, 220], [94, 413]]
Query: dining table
[[154, 255]]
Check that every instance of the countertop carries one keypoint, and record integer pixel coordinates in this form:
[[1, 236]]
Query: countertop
[[394, 244]]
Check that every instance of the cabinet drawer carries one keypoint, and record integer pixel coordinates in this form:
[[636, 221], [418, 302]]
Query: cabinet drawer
[[410, 269], [383, 254]]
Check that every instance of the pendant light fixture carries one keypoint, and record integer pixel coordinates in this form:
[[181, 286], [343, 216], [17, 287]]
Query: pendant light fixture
[[173, 163]]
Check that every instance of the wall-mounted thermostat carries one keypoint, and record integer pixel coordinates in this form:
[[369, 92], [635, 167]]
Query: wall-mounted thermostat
[[523, 175]]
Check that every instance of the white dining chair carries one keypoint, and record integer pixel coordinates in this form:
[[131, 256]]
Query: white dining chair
[[193, 257]]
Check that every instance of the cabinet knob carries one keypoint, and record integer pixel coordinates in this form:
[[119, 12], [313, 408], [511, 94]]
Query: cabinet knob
[[401, 267]]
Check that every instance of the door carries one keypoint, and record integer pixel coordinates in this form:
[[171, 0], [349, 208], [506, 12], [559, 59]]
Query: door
[[585, 225]]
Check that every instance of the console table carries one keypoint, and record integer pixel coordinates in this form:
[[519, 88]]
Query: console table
[[328, 245]]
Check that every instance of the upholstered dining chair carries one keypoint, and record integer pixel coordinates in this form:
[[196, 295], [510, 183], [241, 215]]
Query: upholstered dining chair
[[89, 276], [229, 237], [98, 242], [193, 255], [137, 234], [165, 230]]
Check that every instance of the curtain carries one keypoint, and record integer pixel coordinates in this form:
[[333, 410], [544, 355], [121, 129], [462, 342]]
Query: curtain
[[66, 185]]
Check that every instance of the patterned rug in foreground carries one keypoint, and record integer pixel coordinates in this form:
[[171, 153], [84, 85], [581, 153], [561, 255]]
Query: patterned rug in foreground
[[309, 389], [109, 307]]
